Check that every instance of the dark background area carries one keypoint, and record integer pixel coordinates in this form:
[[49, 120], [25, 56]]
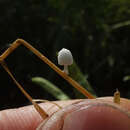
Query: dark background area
[[96, 31]]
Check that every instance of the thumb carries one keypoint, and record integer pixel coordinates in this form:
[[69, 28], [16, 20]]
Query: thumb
[[97, 117], [98, 114]]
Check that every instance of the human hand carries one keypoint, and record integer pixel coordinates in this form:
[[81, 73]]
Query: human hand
[[93, 114]]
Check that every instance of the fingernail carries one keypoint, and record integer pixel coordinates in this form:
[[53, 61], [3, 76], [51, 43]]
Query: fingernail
[[97, 117]]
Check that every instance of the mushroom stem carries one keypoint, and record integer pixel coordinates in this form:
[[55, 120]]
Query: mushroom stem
[[66, 69]]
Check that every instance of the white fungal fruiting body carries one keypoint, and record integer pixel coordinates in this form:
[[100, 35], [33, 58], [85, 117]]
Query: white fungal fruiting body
[[65, 58]]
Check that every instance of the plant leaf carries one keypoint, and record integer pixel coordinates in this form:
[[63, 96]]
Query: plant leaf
[[50, 88], [77, 75]]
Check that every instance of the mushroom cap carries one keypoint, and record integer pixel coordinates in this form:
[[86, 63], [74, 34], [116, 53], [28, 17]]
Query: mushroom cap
[[65, 57]]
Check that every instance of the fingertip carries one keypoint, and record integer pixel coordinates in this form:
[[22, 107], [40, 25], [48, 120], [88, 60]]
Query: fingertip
[[103, 113], [23, 118], [27, 118], [97, 117]]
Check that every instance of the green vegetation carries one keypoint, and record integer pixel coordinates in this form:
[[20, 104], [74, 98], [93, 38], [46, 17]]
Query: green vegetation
[[50, 88], [96, 32]]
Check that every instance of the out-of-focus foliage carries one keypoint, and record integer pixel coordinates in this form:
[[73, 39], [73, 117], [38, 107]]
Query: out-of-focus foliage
[[50, 88], [96, 31], [126, 78], [77, 75]]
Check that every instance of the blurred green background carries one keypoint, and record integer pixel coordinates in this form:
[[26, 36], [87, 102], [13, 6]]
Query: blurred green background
[[96, 31]]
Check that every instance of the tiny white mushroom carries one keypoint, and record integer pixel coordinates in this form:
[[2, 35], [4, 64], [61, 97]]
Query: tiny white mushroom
[[65, 58]]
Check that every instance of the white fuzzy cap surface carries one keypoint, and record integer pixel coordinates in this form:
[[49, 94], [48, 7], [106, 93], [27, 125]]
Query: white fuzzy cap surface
[[65, 57]]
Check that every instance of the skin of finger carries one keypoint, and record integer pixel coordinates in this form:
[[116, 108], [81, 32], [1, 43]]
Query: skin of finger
[[56, 121], [97, 117], [26, 118]]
